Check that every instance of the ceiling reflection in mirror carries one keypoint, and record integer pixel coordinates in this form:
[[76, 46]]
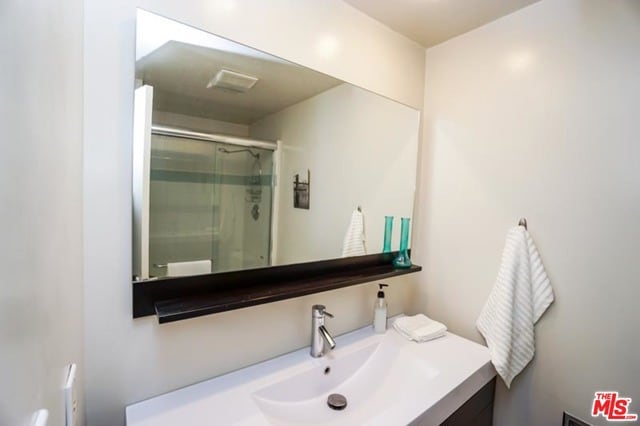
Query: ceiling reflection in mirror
[[245, 160]]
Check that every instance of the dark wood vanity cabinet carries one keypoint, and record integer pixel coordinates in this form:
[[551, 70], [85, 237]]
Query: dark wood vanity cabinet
[[477, 411]]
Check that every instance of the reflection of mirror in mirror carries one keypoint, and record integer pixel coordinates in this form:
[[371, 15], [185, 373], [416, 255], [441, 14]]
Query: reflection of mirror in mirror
[[220, 131]]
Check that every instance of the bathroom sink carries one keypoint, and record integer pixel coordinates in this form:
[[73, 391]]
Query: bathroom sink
[[368, 377], [385, 379], [322, 376]]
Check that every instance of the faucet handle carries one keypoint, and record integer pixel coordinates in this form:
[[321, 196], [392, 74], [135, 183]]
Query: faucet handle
[[319, 310]]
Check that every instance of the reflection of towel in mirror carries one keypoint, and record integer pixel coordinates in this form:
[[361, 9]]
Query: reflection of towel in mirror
[[520, 296], [183, 269], [354, 240]]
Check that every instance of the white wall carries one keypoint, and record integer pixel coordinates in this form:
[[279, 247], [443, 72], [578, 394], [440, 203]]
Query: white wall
[[128, 360], [536, 115], [361, 150], [41, 205]]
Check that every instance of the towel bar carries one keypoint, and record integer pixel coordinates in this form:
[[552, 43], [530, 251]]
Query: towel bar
[[165, 265]]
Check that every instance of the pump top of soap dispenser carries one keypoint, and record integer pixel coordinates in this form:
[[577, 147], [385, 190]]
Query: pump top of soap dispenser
[[381, 292]]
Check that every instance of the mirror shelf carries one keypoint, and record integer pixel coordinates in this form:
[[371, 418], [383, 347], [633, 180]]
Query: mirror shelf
[[174, 299]]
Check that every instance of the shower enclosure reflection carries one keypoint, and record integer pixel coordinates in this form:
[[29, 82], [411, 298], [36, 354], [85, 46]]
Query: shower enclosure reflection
[[210, 206]]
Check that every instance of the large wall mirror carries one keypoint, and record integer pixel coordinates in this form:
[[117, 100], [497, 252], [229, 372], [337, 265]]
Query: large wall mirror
[[243, 160]]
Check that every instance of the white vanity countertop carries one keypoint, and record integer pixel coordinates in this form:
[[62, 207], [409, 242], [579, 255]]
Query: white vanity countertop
[[387, 380]]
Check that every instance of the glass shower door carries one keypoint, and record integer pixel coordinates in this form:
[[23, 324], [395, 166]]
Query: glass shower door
[[209, 202], [245, 196]]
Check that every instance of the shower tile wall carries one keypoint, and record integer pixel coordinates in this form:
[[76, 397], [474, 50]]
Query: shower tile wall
[[232, 212], [244, 241], [257, 231]]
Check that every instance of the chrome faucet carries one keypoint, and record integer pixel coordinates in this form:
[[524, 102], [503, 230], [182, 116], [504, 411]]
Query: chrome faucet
[[320, 337]]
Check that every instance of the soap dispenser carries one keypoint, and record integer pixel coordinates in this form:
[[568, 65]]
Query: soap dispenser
[[380, 312]]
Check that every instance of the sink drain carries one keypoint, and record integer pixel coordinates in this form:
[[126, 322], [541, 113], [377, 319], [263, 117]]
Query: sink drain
[[337, 401]]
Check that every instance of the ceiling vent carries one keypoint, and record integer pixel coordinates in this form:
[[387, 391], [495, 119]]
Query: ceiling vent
[[231, 80]]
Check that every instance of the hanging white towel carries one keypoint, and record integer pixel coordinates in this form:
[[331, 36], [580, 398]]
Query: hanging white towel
[[181, 269], [520, 296], [354, 240]]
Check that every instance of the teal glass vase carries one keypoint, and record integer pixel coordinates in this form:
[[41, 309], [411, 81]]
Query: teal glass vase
[[388, 228], [402, 259]]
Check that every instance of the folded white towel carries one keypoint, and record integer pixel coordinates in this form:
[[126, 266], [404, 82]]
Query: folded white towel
[[419, 328], [354, 240], [521, 294], [181, 269]]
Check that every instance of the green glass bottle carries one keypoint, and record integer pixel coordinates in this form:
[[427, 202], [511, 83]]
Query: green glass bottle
[[402, 259], [388, 228]]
